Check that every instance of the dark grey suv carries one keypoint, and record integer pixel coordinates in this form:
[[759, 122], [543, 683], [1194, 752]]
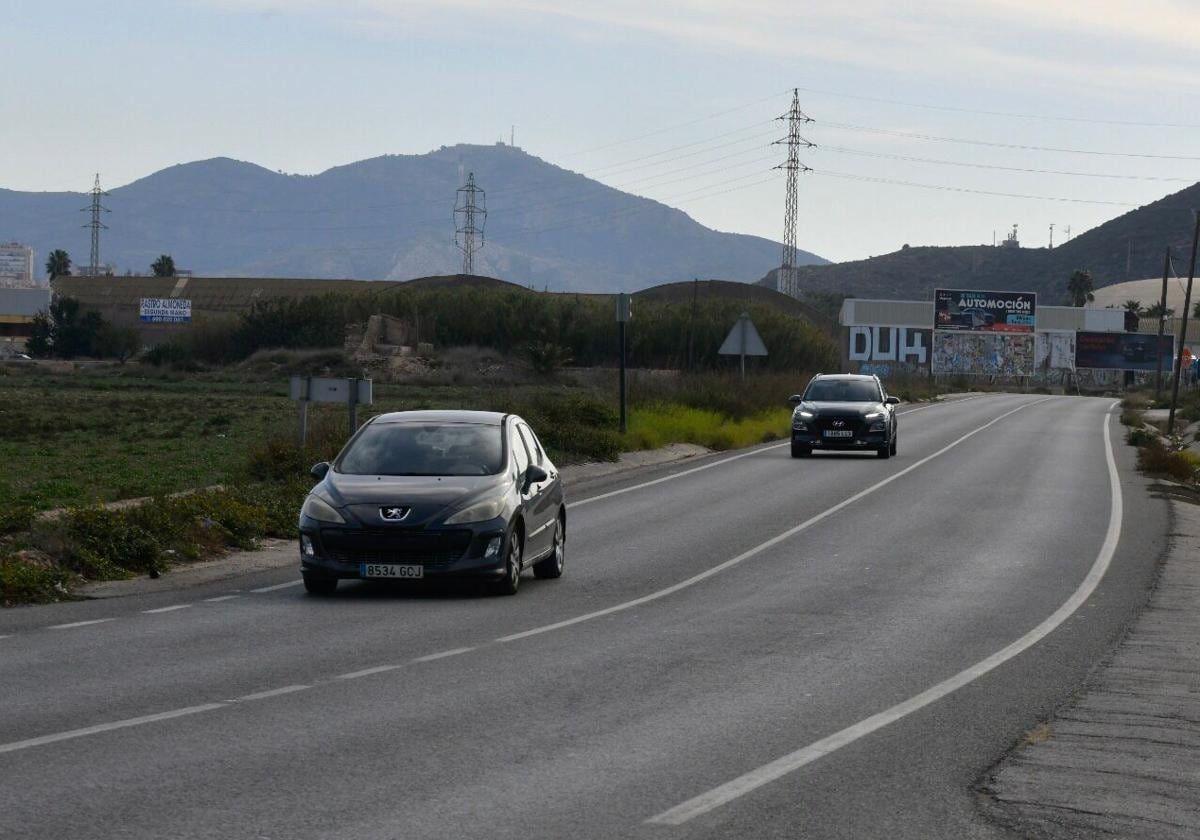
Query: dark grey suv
[[423, 494], [844, 412]]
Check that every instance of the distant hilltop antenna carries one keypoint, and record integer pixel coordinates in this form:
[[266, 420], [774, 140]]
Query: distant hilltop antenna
[[470, 216], [788, 282], [95, 208]]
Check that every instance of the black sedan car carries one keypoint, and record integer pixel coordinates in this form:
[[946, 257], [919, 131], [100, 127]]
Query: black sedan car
[[844, 412], [423, 494]]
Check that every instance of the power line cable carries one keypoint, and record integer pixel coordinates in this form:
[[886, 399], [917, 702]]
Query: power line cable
[[973, 142], [852, 177], [1006, 114]]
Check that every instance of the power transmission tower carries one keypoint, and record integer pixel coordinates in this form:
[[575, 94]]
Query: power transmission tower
[[95, 208], [788, 282], [470, 216]]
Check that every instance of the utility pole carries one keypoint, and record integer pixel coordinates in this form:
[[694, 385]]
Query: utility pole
[[1068, 233], [1129, 260], [470, 216], [788, 283], [1052, 235], [1187, 302], [95, 208], [1162, 322]]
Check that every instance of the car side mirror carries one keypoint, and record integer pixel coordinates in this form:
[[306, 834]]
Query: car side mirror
[[319, 470], [892, 401], [795, 399], [535, 475]]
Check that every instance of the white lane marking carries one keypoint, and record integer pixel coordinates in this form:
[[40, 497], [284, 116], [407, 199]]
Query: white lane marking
[[791, 762], [278, 586], [366, 672], [79, 624], [761, 547], [171, 608], [431, 657], [220, 598], [721, 461], [107, 727], [274, 692], [9, 636]]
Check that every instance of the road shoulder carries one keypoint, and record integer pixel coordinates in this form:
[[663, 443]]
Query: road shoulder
[[1121, 759]]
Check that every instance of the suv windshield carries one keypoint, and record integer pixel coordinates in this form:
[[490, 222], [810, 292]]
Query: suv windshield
[[843, 390], [419, 449]]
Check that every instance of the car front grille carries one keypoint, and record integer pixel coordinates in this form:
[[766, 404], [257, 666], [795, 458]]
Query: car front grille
[[427, 548], [850, 422]]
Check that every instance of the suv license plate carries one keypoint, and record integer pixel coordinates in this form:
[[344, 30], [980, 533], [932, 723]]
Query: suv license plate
[[838, 433], [390, 570]]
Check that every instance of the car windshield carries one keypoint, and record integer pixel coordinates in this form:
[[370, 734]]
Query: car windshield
[[422, 449], [842, 390]]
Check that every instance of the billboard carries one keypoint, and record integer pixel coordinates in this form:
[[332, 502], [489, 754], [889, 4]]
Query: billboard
[[1054, 351], [961, 310], [165, 310], [988, 354], [1124, 351]]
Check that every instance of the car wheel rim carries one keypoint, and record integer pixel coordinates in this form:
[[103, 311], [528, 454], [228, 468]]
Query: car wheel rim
[[559, 553], [514, 563]]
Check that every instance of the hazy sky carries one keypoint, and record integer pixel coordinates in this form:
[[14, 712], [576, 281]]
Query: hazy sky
[[666, 98]]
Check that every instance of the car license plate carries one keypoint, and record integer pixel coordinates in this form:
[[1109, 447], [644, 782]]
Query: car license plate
[[391, 570], [838, 433]]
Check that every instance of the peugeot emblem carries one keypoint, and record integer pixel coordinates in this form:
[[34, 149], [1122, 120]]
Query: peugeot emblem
[[393, 514]]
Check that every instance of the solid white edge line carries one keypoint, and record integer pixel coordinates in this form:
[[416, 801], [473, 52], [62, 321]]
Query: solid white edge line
[[107, 727], [745, 555], [79, 624], [278, 586], [166, 609], [791, 762], [455, 652], [220, 598], [717, 463], [273, 692]]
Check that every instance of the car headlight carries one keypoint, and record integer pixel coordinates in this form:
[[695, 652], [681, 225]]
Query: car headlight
[[478, 512], [317, 508], [877, 421], [800, 419]]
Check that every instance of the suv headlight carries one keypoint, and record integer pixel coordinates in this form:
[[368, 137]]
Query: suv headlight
[[478, 512], [317, 508], [877, 421], [801, 419]]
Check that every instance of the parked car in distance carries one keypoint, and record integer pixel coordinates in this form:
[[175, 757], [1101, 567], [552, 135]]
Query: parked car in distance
[[425, 494]]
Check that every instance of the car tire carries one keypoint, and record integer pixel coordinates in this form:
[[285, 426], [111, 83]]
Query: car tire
[[884, 451], [552, 566], [511, 582], [801, 451], [894, 445], [314, 585]]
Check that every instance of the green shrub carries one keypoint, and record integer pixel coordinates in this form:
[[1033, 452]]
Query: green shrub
[[16, 518], [26, 582], [1141, 436], [1155, 458]]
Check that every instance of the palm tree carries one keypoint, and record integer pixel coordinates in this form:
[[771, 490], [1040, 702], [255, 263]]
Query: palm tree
[[1155, 310], [58, 264], [1134, 306], [1080, 287], [164, 266]]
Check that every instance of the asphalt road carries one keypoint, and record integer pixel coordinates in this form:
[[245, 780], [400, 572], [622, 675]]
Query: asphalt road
[[751, 618]]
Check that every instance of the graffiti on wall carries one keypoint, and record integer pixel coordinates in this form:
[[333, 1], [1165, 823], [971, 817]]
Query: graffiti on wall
[[983, 354]]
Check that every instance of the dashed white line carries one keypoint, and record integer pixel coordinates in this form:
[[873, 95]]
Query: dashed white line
[[278, 586], [220, 598], [366, 672], [74, 624], [171, 608], [761, 547], [107, 727], [431, 657], [274, 692], [791, 762]]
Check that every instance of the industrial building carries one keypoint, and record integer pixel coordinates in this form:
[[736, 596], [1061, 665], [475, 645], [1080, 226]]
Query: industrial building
[[17, 308], [16, 266]]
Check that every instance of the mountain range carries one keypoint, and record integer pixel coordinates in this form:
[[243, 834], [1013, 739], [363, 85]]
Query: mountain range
[[391, 218], [1128, 247]]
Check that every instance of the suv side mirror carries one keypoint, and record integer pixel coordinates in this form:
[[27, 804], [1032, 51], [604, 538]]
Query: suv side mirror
[[795, 399], [319, 470], [892, 401]]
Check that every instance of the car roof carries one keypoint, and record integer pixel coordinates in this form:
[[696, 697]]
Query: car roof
[[864, 377], [480, 418]]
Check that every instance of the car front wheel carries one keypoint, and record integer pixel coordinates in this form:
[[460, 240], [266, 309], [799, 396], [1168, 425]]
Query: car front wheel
[[552, 566], [800, 450], [511, 581], [314, 585]]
